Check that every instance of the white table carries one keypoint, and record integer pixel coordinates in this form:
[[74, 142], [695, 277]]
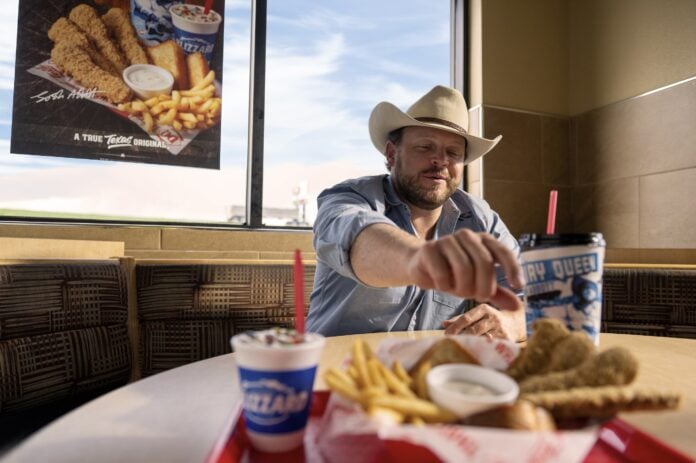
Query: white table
[[180, 415]]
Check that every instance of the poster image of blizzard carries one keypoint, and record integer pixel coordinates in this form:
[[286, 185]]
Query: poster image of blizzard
[[566, 287], [117, 80]]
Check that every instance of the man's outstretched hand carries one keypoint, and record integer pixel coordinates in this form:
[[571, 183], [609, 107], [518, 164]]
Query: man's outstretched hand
[[464, 264]]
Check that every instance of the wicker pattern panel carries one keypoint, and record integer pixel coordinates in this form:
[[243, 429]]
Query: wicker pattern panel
[[657, 302], [189, 312], [169, 344], [44, 368], [47, 298], [191, 292]]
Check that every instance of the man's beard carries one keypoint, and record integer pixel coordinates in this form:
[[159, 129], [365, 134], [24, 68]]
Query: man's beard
[[408, 188]]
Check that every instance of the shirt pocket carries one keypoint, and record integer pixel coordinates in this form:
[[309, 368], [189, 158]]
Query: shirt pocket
[[447, 299]]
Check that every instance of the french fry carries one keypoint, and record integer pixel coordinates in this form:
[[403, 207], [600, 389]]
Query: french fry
[[428, 411], [353, 373], [361, 363], [207, 80], [151, 102], [373, 368], [416, 421], [177, 125], [206, 92], [401, 373], [169, 117], [343, 376], [341, 388], [205, 106], [385, 415], [157, 109], [149, 122], [395, 385], [369, 393], [187, 117]]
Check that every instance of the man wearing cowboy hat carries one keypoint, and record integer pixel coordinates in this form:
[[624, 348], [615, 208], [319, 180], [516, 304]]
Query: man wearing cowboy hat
[[410, 250]]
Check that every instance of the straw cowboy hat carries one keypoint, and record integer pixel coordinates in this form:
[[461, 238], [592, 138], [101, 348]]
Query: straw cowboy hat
[[441, 108]]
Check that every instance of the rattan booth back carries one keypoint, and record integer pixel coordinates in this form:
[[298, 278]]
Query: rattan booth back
[[63, 331], [651, 301], [188, 312]]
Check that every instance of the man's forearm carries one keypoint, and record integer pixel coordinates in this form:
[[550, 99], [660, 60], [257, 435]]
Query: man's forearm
[[380, 254]]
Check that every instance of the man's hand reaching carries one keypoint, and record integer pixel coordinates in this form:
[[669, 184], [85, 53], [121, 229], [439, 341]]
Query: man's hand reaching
[[464, 264]]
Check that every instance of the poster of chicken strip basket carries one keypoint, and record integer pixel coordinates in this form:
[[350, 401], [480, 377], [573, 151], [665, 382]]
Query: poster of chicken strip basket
[[122, 80]]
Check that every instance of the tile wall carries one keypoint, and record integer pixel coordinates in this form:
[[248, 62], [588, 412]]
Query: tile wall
[[627, 169]]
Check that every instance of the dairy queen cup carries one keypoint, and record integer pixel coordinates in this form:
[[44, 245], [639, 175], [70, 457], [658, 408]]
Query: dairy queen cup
[[276, 373], [564, 279], [194, 30]]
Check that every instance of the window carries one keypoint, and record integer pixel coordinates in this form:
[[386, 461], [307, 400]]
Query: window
[[326, 65]]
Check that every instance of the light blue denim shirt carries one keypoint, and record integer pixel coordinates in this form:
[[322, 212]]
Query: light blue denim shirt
[[341, 304]]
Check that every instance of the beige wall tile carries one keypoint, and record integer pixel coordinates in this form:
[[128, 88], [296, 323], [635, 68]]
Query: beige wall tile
[[42, 248], [243, 240], [610, 208], [667, 214], [132, 237], [640, 136], [518, 155], [181, 254], [524, 206], [555, 150]]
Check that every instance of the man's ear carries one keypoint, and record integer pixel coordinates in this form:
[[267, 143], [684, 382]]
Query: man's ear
[[390, 154]]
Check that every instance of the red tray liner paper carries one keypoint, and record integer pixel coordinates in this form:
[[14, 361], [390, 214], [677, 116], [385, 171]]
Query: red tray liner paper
[[617, 442]]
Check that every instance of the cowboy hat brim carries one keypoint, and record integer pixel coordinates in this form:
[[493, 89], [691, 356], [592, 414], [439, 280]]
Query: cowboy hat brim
[[386, 118]]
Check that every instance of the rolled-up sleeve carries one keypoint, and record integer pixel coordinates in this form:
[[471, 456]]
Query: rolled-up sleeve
[[342, 215]]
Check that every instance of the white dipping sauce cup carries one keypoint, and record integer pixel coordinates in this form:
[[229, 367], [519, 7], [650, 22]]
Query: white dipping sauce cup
[[147, 80], [503, 389]]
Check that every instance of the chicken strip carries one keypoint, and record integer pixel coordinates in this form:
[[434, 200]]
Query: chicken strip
[[75, 61], [535, 358], [63, 30], [87, 19], [119, 26], [603, 402], [615, 366]]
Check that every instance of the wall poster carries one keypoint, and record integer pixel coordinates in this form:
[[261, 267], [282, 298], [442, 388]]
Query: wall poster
[[123, 80]]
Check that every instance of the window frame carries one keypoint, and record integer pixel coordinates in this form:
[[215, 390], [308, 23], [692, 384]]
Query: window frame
[[459, 56]]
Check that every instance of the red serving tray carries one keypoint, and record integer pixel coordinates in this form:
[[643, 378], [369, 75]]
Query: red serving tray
[[618, 442]]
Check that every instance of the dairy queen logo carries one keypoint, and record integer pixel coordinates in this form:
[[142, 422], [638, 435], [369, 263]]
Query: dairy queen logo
[[269, 402]]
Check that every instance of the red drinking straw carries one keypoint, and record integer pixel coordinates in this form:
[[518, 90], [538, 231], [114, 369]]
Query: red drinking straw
[[208, 6], [551, 220], [298, 276]]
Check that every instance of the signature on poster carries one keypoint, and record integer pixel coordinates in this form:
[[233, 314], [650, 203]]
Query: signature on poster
[[78, 94]]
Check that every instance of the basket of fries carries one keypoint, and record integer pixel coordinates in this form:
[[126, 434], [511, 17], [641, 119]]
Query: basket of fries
[[567, 389]]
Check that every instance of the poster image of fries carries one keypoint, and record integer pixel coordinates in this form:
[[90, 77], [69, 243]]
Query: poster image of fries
[[384, 393], [196, 108]]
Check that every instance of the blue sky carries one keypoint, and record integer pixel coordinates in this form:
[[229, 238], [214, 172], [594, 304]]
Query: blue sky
[[328, 63]]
